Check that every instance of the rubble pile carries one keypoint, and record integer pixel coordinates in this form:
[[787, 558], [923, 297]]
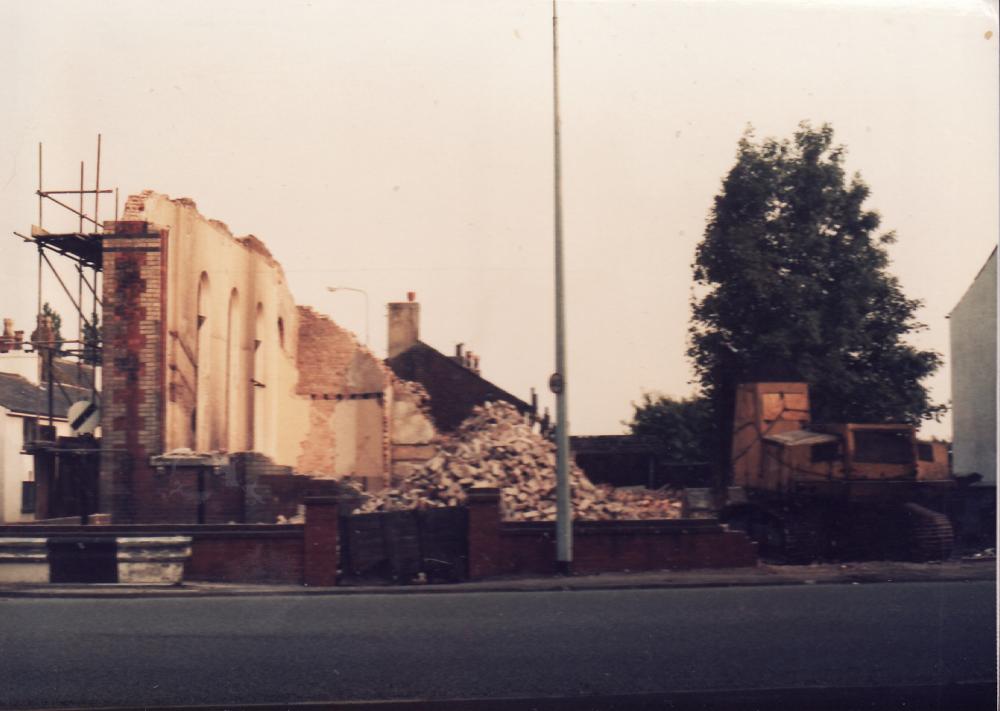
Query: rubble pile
[[497, 447]]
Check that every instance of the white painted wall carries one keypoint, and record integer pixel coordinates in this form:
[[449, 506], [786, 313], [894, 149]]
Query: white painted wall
[[20, 363], [974, 376], [16, 467]]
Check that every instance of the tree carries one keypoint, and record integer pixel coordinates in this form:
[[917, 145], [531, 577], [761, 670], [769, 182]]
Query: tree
[[91, 351], [793, 285], [56, 319], [685, 427]]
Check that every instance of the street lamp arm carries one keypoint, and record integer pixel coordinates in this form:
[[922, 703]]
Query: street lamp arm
[[364, 293]]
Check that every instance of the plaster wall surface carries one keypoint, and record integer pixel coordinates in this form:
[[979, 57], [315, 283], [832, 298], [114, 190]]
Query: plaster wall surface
[[974, 376], [214, 284]]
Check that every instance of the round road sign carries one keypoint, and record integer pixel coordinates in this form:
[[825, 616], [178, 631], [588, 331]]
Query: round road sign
[[83, 417]]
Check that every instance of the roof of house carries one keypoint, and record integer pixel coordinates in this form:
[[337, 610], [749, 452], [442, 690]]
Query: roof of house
[[70, 371], [990, 260], [21, 396], [454, 389]]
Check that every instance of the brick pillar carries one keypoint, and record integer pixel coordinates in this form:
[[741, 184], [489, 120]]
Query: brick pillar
[[321, 539], [131, 403], [483, 504]]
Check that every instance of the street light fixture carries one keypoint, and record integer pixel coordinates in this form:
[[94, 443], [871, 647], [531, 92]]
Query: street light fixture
[[364, 293]]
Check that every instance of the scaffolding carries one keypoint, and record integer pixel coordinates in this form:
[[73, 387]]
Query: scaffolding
[[83, 249]]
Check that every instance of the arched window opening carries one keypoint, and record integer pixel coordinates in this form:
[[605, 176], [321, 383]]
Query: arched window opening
[[233, 388], [201, 420], [259, 381]]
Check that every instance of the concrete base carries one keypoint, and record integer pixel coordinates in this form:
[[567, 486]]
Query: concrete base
[[150, 573], [153, 560], [24, 560]]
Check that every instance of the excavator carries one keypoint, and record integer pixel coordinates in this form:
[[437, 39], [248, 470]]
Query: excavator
[[806, 491]]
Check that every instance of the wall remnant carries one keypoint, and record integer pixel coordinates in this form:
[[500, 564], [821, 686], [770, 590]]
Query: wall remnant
[[208, 353]]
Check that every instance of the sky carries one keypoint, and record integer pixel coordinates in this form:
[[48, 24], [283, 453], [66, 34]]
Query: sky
[[398, 146]]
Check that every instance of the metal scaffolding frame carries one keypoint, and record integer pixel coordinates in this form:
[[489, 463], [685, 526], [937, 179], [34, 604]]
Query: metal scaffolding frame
[[83, 249]]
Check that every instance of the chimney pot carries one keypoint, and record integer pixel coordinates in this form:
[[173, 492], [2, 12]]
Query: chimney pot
[[458, 349], [411, 296]]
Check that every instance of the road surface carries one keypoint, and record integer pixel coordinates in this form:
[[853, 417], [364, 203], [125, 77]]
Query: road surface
[[86, 652]]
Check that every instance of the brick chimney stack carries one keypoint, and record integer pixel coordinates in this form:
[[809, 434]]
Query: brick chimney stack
[[7, 339], [404, 324]]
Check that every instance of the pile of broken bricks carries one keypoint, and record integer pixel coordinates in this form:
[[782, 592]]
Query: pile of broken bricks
[[498, 447]]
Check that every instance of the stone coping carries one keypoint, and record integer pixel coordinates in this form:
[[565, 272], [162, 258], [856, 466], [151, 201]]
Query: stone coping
[[23, 550], [190, 459], [161, 549]]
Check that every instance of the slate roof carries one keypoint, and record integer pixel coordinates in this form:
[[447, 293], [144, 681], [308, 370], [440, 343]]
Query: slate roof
[[454, 389], [69, 372], [19, 395]]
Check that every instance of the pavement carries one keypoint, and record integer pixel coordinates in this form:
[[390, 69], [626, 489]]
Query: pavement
[[763, 574]]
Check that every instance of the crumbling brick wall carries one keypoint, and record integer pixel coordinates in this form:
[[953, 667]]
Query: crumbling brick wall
[[414, 437], [347, 389]]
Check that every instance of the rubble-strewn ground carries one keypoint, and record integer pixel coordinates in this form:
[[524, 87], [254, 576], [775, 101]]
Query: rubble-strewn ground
[[497, 447]]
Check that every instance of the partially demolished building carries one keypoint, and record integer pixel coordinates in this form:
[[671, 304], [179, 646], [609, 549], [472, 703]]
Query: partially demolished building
[[208, 359]]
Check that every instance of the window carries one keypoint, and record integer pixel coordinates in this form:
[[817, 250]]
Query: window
[[29, 429], [925, 452], [27, 497], [883, 447]]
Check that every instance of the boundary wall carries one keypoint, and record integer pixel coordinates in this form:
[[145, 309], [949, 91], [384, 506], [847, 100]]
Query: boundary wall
[[309, 553]]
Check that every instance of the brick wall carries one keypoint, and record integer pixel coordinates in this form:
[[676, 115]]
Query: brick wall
[[133, 382], [224, 554], [507, 548], [309, 554], [248, 556], [342, 380], [249, 489]]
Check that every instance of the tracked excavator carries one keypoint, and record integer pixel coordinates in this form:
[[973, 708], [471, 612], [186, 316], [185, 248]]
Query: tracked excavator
[[806, 491]]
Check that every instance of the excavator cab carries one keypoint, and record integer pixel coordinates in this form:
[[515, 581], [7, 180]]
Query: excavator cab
[[834, 490]]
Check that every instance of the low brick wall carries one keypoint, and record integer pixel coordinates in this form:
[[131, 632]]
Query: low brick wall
[[497, 547], [245, 555], [307, 554], [252, 553]]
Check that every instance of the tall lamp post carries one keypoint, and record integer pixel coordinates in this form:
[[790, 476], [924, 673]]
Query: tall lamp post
[[364, 293], [557, 383]]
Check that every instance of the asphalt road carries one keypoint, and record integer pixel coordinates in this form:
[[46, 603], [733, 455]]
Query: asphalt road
[[73, 652]]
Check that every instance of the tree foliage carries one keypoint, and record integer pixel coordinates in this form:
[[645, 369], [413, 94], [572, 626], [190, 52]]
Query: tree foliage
[[793, 285], [91, 352], [56, 319], [685, 427]]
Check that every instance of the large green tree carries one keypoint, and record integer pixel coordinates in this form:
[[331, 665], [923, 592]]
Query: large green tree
[[792, 284], [685, 427]]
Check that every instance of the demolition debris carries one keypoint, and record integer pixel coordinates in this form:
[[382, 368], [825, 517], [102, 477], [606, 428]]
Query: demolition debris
[[497, 447]]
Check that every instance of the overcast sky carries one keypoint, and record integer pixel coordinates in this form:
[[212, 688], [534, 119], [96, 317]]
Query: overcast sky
[[401, 146]]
